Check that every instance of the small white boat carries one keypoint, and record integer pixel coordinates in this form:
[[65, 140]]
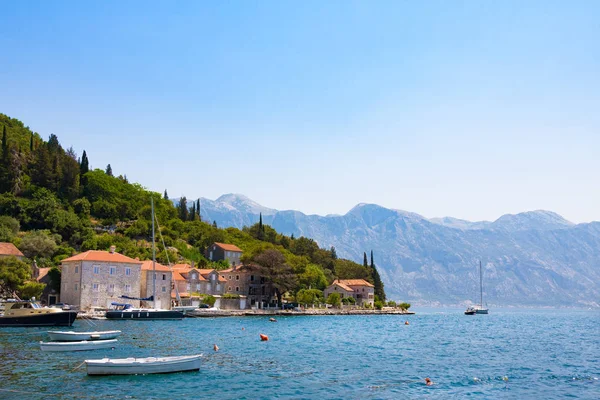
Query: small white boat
[[66, 336], [78, 346], [138, 366]]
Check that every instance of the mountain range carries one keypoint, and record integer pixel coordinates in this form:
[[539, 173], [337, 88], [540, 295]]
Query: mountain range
[[534, 258]]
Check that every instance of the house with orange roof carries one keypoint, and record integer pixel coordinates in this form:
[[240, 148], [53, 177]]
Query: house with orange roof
[[193, 282], [158, 279], [362, 291], [223, 251], [97, 278], [10, 250], [246, 281]]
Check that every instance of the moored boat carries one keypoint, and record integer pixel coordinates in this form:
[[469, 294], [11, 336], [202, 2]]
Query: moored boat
[[30, 313], [478, 309], [78, 346], [139, 366], [66, 336], [127, 312]]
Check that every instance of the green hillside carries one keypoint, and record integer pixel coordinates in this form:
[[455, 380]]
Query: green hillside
[[52, 206]]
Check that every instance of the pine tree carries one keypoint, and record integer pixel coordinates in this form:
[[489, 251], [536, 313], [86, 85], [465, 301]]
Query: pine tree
[[41, 170], [182, 208], [84, 167], [261, 229], [109, 170], [292, 236], [165, 195], [193, 211]]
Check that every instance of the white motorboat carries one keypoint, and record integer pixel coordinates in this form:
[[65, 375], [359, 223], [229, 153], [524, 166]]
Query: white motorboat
[[67, 336], [78, 346], [139, 366]]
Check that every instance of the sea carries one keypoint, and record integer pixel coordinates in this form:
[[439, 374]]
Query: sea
[[507, 354]]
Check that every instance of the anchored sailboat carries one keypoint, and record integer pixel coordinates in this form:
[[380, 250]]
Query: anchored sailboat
[[478, 309], [127, 312]]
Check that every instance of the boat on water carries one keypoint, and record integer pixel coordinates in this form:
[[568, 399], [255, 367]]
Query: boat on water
[[123, 311], [67, 336], [139, 366], [478, 309], [25, 313], [78, 346]]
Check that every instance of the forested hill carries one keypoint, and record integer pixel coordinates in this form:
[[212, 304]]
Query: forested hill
[[52, 206]]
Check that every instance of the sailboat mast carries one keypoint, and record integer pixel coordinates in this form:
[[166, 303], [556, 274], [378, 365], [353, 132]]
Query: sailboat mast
[[153, 258], [480, 286]]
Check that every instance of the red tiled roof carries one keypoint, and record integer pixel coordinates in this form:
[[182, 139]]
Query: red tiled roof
[[178, 277], [9, 249], [343, 286], [98, 255], [228, 247], [182, 267], [42, 272], [147, 266], [182, 294], [355, 282]]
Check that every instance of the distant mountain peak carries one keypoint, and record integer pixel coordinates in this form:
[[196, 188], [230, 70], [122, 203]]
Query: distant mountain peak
[[538, 219]]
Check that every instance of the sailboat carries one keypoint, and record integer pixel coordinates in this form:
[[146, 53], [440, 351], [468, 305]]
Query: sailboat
[[124, 311], [478, 309]]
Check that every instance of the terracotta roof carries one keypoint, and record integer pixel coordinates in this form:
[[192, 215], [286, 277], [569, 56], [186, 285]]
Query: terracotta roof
[[182, 294], [98, 255], [9, 249], [147, 266], [182, 267], [228, 247], [346, 288], [178, 277], [355, 282], [42, 272]]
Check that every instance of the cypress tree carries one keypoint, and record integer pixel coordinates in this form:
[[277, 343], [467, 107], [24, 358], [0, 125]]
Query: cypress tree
[[85, 165], [377, 282], [182, 208], [198, 209], [109, 170], [31, 142], [193, 211], [333, 253], [261, 229], [292, 237], [5, 167], [365, 264], [372, 263], [165, 195], [214, 224]]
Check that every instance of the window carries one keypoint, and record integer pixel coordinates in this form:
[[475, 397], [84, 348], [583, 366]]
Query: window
[[95, 287], [164, 289], [96, 269], [111, 288], [237, 288], [218, 287], [188, 286], [229, 290], [164, 277], [210, 256], [193, 276], [75, 287], [213, 277], [229, 277], [76, 270], [251, 278], [237, 277], [113, 270], [127, 271], [127, 288], [197, 286]]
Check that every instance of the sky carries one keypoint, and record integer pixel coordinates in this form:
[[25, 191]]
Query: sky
[[470, 109]]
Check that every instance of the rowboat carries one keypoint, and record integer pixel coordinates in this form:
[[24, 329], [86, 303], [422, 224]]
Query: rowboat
[[78, 346], [66, 336], [139, 366]]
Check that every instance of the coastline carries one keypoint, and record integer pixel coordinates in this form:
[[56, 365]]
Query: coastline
[[200, 313]]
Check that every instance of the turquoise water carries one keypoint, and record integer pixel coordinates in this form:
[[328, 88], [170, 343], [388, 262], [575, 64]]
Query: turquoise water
[[506, 354]]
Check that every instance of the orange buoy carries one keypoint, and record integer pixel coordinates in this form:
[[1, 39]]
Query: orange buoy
[[216, 347], [406, 323], [264, 338]]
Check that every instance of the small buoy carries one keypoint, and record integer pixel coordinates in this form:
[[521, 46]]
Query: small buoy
[[428, 382], [264, 338], [216, 347], [243, 329], [406, 323], [505, 378], [272, 320]]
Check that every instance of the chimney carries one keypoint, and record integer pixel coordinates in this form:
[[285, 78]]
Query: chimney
[[112, 249], [192, 264]]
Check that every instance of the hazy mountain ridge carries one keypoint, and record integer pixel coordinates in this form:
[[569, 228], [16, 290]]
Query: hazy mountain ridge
[[533, 258]]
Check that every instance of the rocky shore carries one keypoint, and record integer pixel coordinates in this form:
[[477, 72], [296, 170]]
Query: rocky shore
[[201, 313]]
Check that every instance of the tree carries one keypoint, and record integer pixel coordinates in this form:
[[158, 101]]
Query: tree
[[9, 228], [377, 282], [198, 209], [309, 296], [404, 306], [365, 264], [31, 289], [333, 253], [31, 143], [183, 209], [313, 277], [13, 274], [55, 278], [165, 195], [193, 211], [38, 244], [109, 170], [273, 267], [214, 224], [261, 229], [85, 164], [334, 299]]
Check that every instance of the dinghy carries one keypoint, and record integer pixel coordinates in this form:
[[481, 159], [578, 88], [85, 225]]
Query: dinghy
[[78, 346], [139, 366], [66, 336]]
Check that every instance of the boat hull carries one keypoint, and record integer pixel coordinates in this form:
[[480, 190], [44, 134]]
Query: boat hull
[[58, 336], [78, 346], [65, 318], [481, 311], [143, 314], [140, 366]]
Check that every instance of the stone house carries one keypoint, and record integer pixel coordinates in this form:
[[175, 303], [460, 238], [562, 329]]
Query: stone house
[[97, 278], [245, 280], [190, 281], [361, 290], [10, 250], [162, 283], [221, 251]]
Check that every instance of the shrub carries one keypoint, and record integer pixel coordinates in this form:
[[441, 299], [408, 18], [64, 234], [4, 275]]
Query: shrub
[[334, 299], [379, 305]]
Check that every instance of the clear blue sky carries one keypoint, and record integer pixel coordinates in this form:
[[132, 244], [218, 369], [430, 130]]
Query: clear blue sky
[[470, 109]]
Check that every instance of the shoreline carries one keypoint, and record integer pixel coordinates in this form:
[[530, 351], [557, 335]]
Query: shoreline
[[200, 313]]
